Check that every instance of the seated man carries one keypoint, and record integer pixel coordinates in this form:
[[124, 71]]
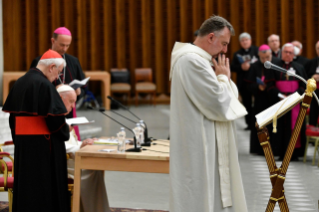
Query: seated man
[[93, 192]]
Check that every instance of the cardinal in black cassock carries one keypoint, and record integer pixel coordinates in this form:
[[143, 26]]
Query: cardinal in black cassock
[[39, 130], [61, 41], [286, 85], [258, 88]]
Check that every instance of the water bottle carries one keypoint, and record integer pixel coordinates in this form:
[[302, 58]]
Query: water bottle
[[138, 131], [142, 130], [121, 140]]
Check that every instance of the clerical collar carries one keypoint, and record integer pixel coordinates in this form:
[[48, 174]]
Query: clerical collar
[[247, 50], [276, 52]]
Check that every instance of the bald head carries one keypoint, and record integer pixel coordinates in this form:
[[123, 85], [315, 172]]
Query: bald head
[[274, 42], [68, 96]]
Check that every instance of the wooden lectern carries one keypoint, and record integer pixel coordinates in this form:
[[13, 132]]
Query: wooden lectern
[[278, 175]]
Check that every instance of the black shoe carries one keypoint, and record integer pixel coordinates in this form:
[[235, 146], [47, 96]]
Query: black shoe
[[294, 159]]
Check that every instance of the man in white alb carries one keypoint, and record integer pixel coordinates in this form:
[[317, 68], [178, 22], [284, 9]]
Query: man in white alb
[[204, 169], [93, 191]]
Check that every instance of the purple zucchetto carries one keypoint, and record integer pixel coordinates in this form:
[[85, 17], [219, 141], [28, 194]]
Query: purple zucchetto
[[62, 31]]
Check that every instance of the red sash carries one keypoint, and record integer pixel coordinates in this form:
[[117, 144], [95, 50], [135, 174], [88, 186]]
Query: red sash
[[31, 125]]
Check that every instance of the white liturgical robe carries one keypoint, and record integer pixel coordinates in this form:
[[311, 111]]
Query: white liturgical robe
[[204, 169], [93, 192]]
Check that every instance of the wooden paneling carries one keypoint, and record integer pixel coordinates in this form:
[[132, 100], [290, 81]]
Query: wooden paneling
[[146, 33], [44, 31], [141, 33], [285, 17], [159, 45], [309, 28], [272, 17], [260, 28], [120, 33], [209, 5], [107, 35]]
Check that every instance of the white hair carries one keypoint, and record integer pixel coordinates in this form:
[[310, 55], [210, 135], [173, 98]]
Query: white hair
[[273, 35], [298, 43], [56, 61], [287, 45], [244, 35]]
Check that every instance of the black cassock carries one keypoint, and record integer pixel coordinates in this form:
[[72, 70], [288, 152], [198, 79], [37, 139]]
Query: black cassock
[[301, 60], [73, 70], [40, 168], [261, 102], [280, 140], [245, 55], [312, 68]]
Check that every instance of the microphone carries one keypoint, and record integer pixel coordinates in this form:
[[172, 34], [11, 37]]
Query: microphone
[[135, 148], [269, 65], [143, 144], [147, 139]]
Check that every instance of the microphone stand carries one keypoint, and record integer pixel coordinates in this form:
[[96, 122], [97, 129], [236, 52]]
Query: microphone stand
[[135, 148], [147, 139], [269, 65], [145, 143]]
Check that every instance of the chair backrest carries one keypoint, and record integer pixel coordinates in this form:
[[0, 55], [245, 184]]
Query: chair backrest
[[143, 75], [120, 75]]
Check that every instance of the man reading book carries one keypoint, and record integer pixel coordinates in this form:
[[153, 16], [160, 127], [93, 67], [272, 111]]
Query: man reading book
[[61, 41], [280, 83]]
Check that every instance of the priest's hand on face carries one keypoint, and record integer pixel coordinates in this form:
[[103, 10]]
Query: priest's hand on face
[[222, 66], [78, 91], [245, 66], [88, 141], [262, 87]]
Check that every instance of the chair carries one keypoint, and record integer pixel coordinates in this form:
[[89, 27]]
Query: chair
[[144, 83], [9, 163], [120, 82], [6, 181], [312, 134]]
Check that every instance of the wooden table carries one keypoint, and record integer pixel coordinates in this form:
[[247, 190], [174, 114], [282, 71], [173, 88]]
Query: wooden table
[[90, 157], [103, 76]]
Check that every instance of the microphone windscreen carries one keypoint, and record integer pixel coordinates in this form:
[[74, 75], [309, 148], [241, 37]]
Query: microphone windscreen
[[109, 97], [267, 64]]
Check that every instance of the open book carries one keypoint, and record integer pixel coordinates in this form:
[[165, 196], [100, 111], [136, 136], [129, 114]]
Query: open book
[[78, 121], [265, 117], [76, 83]]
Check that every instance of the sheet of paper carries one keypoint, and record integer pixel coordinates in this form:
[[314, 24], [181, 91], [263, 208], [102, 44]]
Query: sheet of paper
[[107, 150], [78, 121]]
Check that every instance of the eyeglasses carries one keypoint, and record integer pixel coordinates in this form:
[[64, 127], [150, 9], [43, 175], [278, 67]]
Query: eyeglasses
[[286, 52]]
